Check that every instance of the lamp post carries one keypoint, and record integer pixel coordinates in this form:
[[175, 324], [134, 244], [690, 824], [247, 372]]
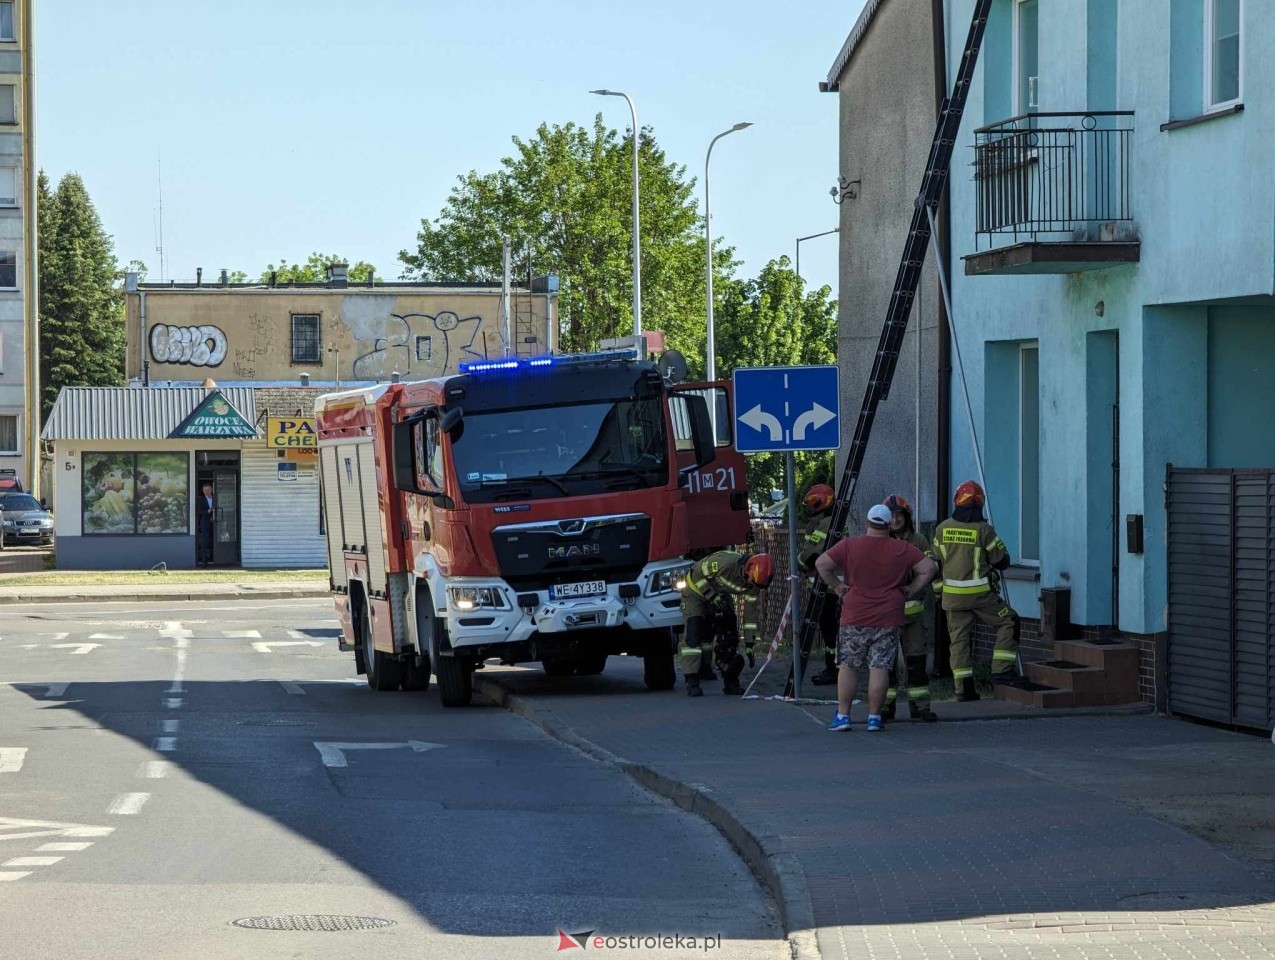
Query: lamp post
[[711, 357], [797, 265], [637, 246]]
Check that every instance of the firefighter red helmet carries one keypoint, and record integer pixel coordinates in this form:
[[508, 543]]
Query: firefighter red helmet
[[760, 569], [969, 492], [897, 504], [819, 498]]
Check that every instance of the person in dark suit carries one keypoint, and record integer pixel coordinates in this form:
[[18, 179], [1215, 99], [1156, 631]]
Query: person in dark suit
[[204, 525]]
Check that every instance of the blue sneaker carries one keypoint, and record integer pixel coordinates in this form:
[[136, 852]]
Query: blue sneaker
[[875, 723], [840, 723]]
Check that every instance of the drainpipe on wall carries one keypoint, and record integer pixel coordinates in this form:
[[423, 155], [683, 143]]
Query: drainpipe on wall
[[33, 404], [506, 331], [943, 479]]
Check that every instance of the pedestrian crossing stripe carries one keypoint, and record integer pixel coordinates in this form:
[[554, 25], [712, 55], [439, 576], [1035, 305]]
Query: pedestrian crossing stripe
[[13, 829]]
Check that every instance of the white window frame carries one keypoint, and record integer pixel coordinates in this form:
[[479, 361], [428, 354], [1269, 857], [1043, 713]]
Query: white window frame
[[1020, 108], [17, 188], [13, 18], [1022, 559], [17, 432], [1210, 17]]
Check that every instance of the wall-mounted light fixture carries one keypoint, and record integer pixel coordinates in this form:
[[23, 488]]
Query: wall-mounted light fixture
[[845, 188]]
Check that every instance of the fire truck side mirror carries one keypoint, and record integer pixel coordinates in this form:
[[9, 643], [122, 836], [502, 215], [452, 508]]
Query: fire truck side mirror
[[701, 430], [451, 419]]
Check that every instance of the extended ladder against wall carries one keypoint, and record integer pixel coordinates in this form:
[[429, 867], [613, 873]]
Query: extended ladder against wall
[[937, 170]]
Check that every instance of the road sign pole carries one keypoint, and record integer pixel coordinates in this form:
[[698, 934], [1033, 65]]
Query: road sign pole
[[794, 577]]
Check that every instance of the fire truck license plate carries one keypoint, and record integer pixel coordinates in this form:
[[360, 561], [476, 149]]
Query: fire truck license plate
[[589, 588]]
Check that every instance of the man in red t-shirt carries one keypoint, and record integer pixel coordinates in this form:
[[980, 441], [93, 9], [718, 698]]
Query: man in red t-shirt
[[875, 575]]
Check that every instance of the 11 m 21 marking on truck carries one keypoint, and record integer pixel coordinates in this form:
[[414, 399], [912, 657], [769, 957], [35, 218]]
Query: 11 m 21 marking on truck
[[723, 478]]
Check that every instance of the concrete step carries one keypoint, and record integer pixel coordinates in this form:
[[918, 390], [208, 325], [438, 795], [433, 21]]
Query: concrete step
[[1067, 675], [1035, 694]]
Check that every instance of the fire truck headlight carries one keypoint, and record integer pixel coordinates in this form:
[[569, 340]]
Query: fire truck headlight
[[667, 581], [475, 598]]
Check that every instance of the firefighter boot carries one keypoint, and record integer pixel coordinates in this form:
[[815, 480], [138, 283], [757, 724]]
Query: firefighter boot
[[924, 714], [730, 677], [967, 693], [692, 685], [829, 675]]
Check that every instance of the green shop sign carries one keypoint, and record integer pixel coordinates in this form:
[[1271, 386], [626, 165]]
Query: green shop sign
[[215, 417]]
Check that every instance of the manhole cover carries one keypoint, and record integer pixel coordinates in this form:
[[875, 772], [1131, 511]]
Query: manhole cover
[[275, 723], [313, 922]]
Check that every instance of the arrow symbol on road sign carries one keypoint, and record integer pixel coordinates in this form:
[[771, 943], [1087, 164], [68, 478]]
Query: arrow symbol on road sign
[[11, 759], [76, 648], [757, 418], [333, 754], [815, 417], [264, 646]]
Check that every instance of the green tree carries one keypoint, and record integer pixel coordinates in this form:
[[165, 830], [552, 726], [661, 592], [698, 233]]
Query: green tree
[[564, 199], [773, 320], [81, 304], [314, 270]]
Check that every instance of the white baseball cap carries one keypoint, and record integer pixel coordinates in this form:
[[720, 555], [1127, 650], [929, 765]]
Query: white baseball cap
[[880, 515]]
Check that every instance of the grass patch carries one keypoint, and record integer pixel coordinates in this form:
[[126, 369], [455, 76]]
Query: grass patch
[[91, 578]]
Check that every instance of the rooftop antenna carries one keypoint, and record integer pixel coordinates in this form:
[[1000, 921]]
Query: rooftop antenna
[[159, 227]]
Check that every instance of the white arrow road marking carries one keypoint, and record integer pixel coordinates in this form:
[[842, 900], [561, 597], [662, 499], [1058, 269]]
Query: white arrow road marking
[[29, 646], [333, 754], [128, 803], [11, 829], [241, 634], [758, 418], [173, 629], [76, 648], [105, 636], [264, 646], [31, 862], [153, 769], [11, 759], [64, 847], [815, 417], [13, 875]]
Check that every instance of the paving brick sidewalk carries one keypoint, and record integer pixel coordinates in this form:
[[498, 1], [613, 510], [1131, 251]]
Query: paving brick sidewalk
[[989, 839]]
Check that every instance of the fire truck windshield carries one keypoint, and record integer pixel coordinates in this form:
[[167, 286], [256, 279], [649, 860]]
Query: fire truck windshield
[[561, 450]]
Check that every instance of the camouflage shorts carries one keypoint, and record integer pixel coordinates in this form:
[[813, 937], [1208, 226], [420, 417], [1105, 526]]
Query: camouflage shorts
[[878, 645]]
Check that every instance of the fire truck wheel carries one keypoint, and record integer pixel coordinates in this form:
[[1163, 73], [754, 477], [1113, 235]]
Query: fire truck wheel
[[382, 670], [455, 680], [590, 665], [558, 668], [659, 671]]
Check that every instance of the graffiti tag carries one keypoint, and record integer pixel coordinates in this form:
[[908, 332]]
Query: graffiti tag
[[203, 346]]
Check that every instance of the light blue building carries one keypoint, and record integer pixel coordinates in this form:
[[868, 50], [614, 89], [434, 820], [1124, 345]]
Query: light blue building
[[1112, 242]]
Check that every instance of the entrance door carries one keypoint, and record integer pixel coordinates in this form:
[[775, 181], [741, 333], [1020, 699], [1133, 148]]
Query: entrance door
[[221, 468]]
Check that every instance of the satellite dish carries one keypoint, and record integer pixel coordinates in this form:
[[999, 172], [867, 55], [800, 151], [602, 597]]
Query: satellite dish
[[672, 366]]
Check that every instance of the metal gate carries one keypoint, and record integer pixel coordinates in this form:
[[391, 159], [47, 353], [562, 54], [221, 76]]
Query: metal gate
[[1221, 546]]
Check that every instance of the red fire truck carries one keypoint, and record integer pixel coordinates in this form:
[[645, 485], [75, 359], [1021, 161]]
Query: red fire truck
[[524, 510]]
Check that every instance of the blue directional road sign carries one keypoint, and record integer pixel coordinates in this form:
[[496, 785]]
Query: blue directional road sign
[[785, 409]]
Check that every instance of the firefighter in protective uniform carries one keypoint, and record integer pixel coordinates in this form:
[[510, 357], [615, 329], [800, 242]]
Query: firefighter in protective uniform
[[914, 645], [819, 501], [970, 555], [708, 604]]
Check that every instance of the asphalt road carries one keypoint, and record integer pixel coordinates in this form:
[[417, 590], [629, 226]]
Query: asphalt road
[[168, 769]]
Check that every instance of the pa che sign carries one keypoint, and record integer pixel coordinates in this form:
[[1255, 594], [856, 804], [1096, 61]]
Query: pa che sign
[[285, 433]]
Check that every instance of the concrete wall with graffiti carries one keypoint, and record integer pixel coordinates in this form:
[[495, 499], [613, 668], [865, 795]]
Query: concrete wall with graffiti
[[244, 334]]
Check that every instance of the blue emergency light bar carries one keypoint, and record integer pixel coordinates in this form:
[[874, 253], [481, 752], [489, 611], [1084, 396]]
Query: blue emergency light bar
[[491, 366]]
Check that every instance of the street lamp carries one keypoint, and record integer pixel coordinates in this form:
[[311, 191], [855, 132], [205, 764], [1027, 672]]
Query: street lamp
[[797, 265], [637, 246], [708, 244]]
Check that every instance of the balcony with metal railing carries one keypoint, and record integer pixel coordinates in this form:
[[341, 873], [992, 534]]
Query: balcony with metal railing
[[1053, 194]]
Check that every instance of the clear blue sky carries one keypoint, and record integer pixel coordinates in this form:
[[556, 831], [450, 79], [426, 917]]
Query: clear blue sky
[[289, 126]]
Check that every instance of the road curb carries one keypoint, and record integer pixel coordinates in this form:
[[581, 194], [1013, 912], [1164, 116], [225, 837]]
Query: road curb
[[71, 597], [777, 868]]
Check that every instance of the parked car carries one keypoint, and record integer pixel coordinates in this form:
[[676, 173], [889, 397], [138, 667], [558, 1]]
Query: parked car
[[24, 519]]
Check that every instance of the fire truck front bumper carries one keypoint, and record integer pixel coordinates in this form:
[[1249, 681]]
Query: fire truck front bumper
[[651, 603]]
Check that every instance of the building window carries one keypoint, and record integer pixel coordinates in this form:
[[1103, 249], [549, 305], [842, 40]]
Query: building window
[[1029, 452], [1223, 50], [6, 20], [8, 104], [1026, 55], [306, 345], [425, 348], [135, 494], [8, 186], [9, 434], [8, 270]]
